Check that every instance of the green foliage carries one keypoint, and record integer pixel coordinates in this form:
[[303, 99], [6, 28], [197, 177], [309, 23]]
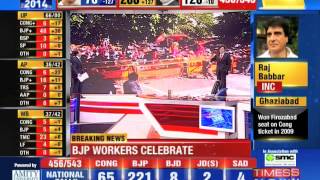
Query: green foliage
[[230, 27]]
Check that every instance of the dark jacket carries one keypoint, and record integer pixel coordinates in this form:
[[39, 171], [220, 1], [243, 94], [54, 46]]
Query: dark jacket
[[76, 67], [223, 64]]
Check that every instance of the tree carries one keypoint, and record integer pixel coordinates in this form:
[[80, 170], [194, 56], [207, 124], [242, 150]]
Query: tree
[[90, 28], [233, 28]]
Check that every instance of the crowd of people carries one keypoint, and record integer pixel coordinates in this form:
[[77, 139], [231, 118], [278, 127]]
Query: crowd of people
[[144, 52], [152, 52]]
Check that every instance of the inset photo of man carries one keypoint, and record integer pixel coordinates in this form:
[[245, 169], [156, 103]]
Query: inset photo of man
[[69, 3], [277, 37], [168, 3]]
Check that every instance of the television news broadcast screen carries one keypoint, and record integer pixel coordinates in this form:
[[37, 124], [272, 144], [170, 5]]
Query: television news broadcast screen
[[159, 89]]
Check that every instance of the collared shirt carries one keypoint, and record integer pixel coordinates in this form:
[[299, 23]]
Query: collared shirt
[[221, 55], [290, 54]]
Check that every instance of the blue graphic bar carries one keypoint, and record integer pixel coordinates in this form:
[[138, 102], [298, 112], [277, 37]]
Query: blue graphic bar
[[25, 5]]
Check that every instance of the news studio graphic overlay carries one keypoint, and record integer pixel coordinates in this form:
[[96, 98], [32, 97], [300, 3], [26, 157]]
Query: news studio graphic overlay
[[237, 4], [286, 4], [25, 174], [279, 115], [22, 168], [40, 34], [33, 82], [35, 87], [36, 4], [280, 160], [195, 3], [145, 3], [217, 119], [32, 34], [146, 168], [150, 82], [33, 132], [220, 4], [64, 4], [61, 168], [98, 2], [277, 173]]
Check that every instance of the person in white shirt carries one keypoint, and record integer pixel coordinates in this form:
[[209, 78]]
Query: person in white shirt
[[69, 3], [277, 38]]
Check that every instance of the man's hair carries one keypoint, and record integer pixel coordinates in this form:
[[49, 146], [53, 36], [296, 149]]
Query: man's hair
[[279, 22], [222, 46], [75, 53], [133, 76]]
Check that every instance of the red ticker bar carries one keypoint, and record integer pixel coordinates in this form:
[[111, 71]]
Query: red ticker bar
[[43, 23], [43, 30], [239, 163], [153, 163], [42, 54], [139, 163], [237, 4], [42, 38], [174, 163], [42, 144], [42, 87], [42, 103], [224, 163], [42, 45], [269, 87], [42, 72], [42, 122], [172, 148], [103, 163], [65, 163], [44, 129], [42, 80]]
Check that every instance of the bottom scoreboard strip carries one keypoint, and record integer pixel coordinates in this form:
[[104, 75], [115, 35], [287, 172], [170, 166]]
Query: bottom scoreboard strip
[[147, 169]]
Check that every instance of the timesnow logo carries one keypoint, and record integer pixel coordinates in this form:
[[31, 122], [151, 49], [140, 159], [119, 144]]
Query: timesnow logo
[[280, 160]]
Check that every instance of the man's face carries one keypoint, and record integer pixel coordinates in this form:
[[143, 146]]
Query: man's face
[[68, 2], [276, 39], [221, 50]]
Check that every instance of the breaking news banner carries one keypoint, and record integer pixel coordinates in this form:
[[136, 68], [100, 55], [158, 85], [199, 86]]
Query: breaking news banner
[[168, 148]]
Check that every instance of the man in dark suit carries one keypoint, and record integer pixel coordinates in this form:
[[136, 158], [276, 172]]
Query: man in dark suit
[[223, 60], [76, 69], [76, 85]]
